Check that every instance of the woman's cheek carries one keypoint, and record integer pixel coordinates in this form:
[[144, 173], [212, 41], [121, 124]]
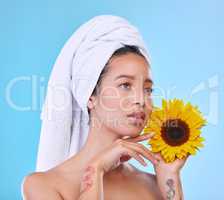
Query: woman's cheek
[[125, 104], [109, 100], [110, 104]]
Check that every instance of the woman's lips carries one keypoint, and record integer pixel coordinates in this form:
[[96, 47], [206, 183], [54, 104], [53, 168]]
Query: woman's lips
[[137, 117], [136, 120]]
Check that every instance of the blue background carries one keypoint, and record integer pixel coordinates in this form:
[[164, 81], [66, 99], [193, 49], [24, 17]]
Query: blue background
[[185, 40]]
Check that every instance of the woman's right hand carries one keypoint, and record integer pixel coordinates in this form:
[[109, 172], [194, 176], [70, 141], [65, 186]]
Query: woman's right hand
[[122, 150]]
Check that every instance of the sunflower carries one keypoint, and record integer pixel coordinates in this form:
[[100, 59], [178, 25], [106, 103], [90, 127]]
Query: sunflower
[[176, 127]]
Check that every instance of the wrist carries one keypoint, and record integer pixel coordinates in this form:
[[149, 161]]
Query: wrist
[[97, 167], [165, 172]]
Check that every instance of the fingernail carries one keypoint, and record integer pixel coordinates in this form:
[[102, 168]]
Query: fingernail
[[149, 135], [156, 161]]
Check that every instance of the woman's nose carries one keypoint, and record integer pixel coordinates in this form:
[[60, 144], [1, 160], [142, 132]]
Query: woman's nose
[[139, 99]]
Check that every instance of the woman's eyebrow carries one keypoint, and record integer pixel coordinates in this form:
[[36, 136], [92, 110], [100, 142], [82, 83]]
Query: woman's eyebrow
[[132, 77]]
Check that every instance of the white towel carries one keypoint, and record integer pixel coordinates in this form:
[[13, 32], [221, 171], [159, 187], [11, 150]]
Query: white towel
[[74, 75]]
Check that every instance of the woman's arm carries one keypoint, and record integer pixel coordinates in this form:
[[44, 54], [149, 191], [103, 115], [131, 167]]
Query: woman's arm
[[168, 177], [92, 183], [170, 185], [110, 158]]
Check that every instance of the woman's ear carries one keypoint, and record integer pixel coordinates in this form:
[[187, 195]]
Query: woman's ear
[[91, 102]]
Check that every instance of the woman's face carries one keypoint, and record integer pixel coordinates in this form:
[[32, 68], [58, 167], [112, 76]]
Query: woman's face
[[126, 88]]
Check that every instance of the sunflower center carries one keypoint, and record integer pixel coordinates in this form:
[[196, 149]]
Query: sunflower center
[[175, 132]]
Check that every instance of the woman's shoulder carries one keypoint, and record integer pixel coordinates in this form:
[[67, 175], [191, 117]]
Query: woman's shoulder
[[34, 179], [37, 185]]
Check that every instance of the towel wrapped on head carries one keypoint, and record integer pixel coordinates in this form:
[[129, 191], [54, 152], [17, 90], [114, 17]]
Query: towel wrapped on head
[[73, 78]]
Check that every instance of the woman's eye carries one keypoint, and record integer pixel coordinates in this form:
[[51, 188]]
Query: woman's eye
[[125, 85], [149, 90]]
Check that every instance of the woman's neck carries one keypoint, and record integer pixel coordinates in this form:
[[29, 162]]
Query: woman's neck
[[99, 138]]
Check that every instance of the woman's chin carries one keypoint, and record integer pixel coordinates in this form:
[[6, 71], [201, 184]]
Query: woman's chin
[[128, 129], [131, 131]]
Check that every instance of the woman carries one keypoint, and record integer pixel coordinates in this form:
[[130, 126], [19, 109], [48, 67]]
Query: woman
[[118, 108]]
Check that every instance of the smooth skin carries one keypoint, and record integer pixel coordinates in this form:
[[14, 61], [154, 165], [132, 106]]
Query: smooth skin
[[100, 170]]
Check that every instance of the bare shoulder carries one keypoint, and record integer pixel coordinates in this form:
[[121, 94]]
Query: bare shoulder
[[37, 186]]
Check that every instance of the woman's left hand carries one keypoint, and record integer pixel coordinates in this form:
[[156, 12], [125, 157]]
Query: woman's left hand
[[173, 167]]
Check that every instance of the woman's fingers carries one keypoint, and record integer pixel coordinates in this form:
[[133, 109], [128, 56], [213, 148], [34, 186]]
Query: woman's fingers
[[137, 150], [158, 156], [141, 149], [139, 138], [133, 154], [125, 158]]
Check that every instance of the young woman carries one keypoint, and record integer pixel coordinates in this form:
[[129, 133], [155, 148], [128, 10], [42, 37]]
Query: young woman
[[119, 108]]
